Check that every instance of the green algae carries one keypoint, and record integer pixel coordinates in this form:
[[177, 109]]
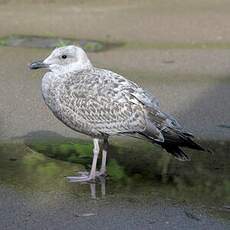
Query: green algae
[[49, 42]]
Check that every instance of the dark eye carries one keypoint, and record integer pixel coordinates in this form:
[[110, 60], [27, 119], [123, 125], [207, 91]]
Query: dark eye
[[64, 56]]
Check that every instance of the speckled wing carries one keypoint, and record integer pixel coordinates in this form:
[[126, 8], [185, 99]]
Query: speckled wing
[[99, 102], [155, 118], [161, 119]]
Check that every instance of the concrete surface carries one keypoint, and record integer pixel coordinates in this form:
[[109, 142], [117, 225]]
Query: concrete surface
[[48, 210]]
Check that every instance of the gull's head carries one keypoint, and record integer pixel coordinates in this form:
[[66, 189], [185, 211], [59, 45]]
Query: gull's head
[[64, 59]]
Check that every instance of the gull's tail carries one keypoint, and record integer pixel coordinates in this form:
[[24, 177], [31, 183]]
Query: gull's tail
[[173, 143], [174, 139]]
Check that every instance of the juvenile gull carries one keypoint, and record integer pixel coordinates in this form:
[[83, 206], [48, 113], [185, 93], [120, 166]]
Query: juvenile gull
[[101, 103]]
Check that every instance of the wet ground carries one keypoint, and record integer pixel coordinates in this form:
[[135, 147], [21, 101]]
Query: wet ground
[[146, 189], [180, 52]]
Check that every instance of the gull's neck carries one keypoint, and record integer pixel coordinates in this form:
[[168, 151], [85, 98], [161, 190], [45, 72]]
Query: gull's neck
[[80, 66]]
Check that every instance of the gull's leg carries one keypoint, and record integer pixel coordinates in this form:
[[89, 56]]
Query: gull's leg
[[86, 176], [102, 171], [96, 150]]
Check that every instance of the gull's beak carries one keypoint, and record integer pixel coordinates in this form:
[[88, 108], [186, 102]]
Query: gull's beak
[[38, 65]]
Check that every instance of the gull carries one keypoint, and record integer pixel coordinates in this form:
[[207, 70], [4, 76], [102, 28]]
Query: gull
[[100, 103]]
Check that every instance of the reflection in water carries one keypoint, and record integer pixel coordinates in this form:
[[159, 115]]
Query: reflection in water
[[134, 170], [93, 190]]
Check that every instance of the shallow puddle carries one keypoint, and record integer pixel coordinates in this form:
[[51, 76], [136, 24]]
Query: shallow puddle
[[138, 172], [53, 42]]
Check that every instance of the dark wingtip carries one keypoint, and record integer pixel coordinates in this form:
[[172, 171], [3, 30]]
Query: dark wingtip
[[188, 134], [176, 152], [183, 157], [194, 145]]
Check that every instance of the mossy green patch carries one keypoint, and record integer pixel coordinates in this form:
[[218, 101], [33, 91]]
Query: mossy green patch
[[3, 41], [73, 152], [115, 171], [50, 42]]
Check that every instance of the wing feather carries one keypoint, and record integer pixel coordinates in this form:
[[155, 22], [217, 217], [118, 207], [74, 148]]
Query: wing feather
[[101, 99], [105, 102]]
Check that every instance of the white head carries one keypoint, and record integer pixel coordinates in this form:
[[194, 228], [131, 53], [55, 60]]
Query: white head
[[65, 59]]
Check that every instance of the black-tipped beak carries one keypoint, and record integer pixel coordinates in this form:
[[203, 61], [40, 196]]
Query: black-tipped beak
[[38, 65]]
